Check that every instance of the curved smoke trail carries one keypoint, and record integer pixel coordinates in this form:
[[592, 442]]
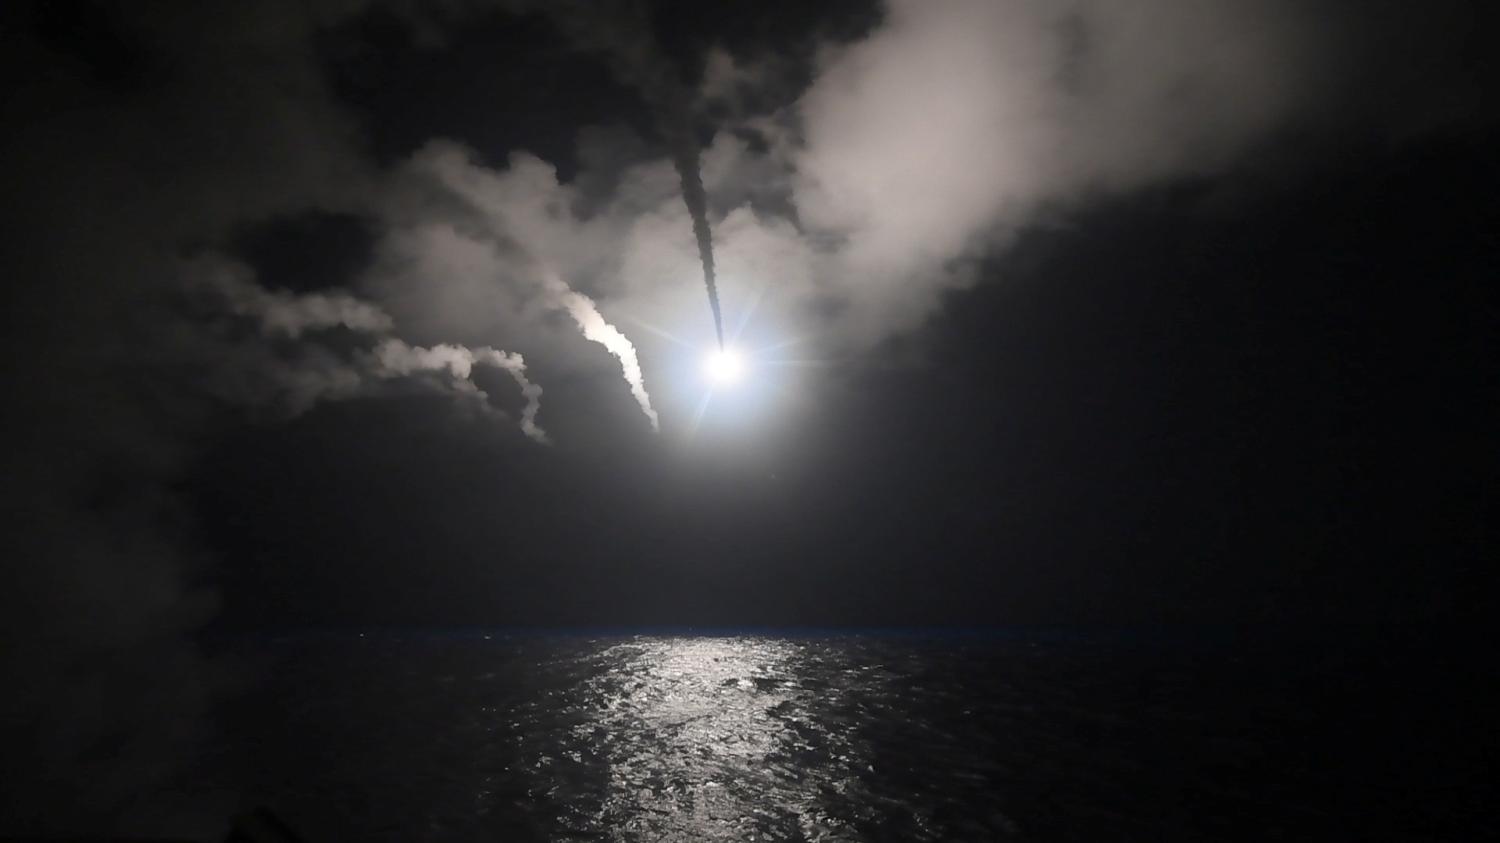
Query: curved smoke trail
[[396, 358], [594, 328], [685, 159], [295, 384], [621, 31]]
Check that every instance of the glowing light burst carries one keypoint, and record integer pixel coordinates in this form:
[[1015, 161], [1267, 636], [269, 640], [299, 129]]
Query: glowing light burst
[[723, 366], [730, 388]]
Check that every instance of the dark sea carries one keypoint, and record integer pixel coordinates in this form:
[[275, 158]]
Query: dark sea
[[1038, 737]]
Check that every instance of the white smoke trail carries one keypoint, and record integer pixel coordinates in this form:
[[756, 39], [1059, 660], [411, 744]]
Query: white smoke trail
[[622, 33], [516, 365], [290, 314], [594, 328], [395, 358], [297, 382]]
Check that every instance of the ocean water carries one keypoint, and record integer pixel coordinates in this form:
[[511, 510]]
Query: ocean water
[[487, 737]]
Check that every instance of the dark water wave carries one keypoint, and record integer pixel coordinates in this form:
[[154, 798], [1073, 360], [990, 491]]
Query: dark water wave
[[841, 738]]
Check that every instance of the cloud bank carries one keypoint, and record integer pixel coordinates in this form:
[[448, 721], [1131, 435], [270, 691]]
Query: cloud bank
[[911, 155]]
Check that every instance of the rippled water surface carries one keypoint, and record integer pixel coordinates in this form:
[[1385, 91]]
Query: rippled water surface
[[823, 738]]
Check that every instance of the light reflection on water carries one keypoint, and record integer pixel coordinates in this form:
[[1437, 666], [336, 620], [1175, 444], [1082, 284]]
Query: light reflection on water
[[629, 739], [709, 739], [461, 739]]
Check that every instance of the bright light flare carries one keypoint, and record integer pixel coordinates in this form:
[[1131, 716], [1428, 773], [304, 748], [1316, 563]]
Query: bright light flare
[[723, 366]]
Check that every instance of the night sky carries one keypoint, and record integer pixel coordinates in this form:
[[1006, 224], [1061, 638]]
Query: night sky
[[1070, 313]]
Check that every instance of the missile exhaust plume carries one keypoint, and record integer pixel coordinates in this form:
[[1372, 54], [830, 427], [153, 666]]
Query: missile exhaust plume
[[514, 364], [396, 358], [596, 329], [621, 32], [296, 383], [685, 159]]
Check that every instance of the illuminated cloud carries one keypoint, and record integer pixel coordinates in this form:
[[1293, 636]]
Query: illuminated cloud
[[294, 380], [288, 314], [395, 358]]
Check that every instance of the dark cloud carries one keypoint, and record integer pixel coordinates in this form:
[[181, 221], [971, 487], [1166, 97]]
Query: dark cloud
[[129, 138], [134, 141], [307, 253]]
